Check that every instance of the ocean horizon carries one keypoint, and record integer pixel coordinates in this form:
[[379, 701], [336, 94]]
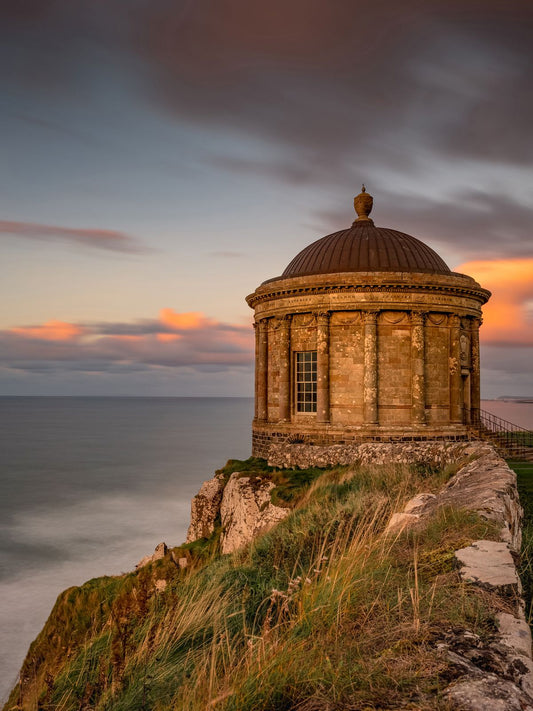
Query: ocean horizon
[[91, 484]]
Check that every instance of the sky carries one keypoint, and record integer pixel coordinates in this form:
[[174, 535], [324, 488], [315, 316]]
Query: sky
[[161, 158]]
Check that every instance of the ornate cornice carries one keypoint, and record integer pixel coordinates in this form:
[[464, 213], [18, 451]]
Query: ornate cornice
[[272, 294]]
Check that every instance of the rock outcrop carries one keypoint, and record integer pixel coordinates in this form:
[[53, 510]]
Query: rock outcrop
[[496, 675], [160, 552], [247, 510], [485, 485], [205, 508], [242, 505]]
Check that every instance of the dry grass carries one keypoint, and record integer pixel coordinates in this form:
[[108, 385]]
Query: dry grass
[[323, 612]]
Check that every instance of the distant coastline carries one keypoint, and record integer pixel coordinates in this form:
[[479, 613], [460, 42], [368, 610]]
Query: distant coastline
[[515, 398]]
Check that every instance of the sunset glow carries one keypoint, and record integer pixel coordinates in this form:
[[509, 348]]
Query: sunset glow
[[507, 317], [50, 331], [184, 321], [156, 171]]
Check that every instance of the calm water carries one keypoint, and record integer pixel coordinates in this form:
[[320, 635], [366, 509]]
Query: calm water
[[90, 485]]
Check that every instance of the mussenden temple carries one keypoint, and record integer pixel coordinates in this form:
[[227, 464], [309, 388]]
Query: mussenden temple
[[366, 336]]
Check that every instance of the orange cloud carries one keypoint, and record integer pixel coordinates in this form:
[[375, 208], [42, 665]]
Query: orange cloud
[[168, 337], [50, 331], [507, 318], [188, 321], [172, 340]]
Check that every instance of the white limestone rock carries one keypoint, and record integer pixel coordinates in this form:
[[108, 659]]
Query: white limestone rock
[[205, 508], [246, 510], [490, 564], [515, 633], [160, 552]]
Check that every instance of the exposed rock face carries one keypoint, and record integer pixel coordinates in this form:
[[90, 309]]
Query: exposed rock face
[[205, 508], [246, 510], [160, 552], [485, 485], [498, 675]]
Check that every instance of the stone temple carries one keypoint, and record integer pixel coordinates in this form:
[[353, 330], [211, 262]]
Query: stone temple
[[366, 336]]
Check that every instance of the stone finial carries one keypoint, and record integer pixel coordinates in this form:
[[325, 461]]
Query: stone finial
[[363, 205]]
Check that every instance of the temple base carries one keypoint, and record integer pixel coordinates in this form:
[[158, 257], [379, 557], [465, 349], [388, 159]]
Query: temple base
[[268, 437]]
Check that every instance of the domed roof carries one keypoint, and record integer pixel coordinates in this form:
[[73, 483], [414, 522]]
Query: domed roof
[[363, 247]]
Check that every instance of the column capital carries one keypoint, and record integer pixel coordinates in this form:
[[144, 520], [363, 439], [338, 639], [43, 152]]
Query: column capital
[[455, 321], [370, 316], [322, 317], [418, 317]]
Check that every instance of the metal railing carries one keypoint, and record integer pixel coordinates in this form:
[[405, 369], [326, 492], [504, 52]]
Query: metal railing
[[513, 440]]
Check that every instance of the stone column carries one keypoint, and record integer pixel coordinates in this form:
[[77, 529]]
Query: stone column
[[322, 367], [418, 385], [256, 384], [262, 371], [475, 385], [285, 369], [370, 377], [456, 395]]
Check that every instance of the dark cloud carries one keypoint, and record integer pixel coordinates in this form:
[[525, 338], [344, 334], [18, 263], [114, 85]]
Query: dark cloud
[[474, 223], [337, 92], [97, 238]]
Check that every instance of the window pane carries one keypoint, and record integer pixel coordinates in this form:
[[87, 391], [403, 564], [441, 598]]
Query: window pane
[[306, 379]]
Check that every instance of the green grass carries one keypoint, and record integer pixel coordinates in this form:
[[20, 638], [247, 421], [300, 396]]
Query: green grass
[[524, 475], [322, 612]]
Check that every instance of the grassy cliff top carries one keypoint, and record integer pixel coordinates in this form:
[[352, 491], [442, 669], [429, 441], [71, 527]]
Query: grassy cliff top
[[322, 612]]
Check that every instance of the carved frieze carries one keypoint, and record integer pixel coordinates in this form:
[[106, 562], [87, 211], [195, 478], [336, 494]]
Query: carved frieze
[[393, 317], [437, 319]]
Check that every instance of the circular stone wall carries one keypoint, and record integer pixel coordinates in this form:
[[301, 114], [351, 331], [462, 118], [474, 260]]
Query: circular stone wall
[[397, 357]]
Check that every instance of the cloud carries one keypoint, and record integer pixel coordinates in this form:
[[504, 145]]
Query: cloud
[[429, 103], [50, 331], [508, 315], [173, 340], [98, 238]]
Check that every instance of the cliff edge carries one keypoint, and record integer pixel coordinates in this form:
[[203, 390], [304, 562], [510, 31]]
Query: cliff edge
[[386, 583]]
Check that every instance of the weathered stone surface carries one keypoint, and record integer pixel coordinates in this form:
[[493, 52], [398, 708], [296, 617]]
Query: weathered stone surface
[[411, 514], [485, 484], [433, 453], [392, 357], [418, 502], [488, 563], [205, 508], [488, 693], [160, 552], [515, 633], [247, 510]]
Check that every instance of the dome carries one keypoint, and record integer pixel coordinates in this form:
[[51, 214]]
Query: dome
[[363, 247], [366, 248]]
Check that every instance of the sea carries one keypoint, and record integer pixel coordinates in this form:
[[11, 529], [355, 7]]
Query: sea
[[89, 485]]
